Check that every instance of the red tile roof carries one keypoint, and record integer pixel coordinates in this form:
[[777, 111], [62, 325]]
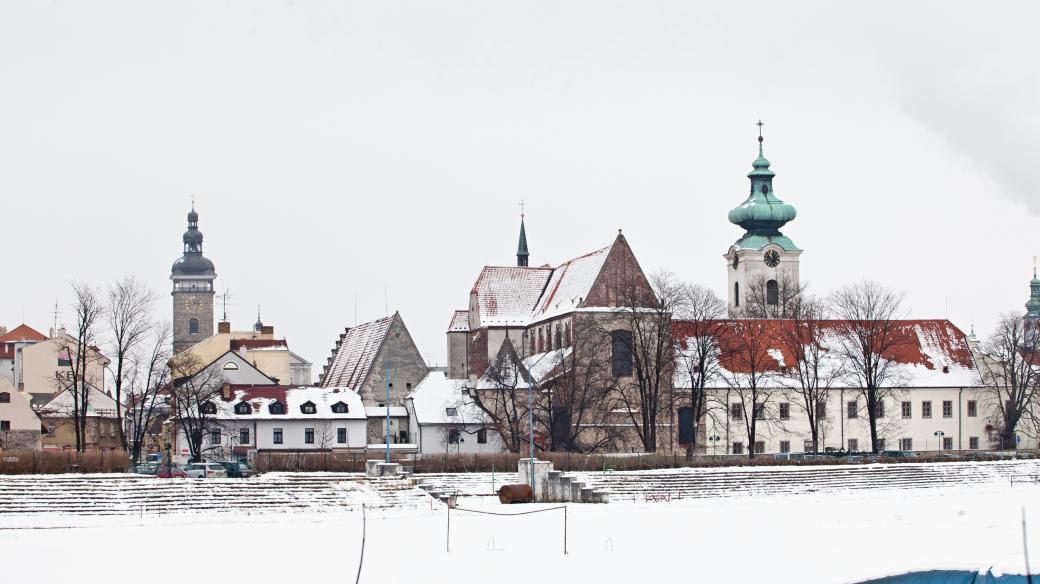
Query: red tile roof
[[22, 332]]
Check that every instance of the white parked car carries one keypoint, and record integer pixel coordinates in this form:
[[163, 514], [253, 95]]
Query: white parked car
[[203, 470]]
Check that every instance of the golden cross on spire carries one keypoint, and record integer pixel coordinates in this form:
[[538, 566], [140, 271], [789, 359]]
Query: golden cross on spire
[[522, 205]]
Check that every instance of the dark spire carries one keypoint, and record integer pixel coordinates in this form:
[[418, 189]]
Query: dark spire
[[521, 249]]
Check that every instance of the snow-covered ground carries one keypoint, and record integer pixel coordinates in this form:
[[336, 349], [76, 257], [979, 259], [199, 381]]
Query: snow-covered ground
[[834, 537]]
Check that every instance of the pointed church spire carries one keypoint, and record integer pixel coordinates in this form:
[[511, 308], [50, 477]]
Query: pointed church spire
[[521, 248]]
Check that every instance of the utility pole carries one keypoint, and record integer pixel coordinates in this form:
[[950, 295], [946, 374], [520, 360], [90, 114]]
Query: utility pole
[[387, 413]]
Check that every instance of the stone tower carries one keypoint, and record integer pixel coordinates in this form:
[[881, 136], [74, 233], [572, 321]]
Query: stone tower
[[1032, 318], [192, 276], [763, 263]]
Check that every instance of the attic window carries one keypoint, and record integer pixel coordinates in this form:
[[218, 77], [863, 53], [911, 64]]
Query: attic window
[[5, 398], [243, 409], [340, 408], [230, 366], [209, 408], [276, 408], [946, 368], [308, 408], [451, 412]]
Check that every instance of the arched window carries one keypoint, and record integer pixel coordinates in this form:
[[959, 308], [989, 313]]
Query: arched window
[[531, 334], [276, 408], [308, 407], [243, 408], [736, 293], [230, 366], [340, 408], [772, 293], [193, 326], [209, 408], [5, 398]]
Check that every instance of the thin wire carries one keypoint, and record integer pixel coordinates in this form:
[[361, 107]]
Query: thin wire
[[511, 514], [1025, 548], [361, 560]]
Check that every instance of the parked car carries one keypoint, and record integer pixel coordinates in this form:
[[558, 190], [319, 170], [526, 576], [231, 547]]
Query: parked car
[[203, 470], [172, 472], [237, 469], [143, 469], [899, 454]]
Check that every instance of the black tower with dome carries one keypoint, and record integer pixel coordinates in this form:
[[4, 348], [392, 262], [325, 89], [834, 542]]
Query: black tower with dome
[[192, 275]]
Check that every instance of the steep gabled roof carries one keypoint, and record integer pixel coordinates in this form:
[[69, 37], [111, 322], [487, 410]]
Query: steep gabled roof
[[570, 284], [355, 352], [459, 322], [924, 353], [506, 295], [22, 333]]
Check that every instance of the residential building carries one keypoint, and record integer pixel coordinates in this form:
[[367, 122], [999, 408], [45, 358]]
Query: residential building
[[102, 425], [45, 368], [20, 426], [11, 342], [444, 419]]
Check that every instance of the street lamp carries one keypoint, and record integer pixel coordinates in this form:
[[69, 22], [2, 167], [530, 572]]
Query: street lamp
[[939, 436], [714, 439]]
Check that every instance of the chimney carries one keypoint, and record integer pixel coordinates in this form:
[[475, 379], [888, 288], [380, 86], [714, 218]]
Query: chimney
[[225, 391], [267, 330], [3, 330], [223, 327]]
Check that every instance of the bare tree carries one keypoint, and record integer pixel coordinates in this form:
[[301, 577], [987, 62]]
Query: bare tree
[[501, 393], [193, 395], [868, 332], [1011, 374], [751, 378], [815, 369], [128, 315], [697, 360], [80, 351], [771, 298], [643, 352], [146, 377]]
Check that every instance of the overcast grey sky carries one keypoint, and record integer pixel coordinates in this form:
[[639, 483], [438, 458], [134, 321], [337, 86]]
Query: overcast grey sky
[[339, 149]]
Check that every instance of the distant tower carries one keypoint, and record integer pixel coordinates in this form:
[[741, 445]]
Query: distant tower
[[762, 254], [192, 277], [258, 327], [521, 248], [1032, 319]]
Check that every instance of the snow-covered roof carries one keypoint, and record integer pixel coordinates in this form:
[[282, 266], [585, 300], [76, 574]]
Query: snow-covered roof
[[434, 397], [99, 404], [459, 322], [570, 284], [355, 353], [924, 353], [507, 295], [541, 366], [261, 397]]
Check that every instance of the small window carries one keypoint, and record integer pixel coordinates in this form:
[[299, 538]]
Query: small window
[[230, 366], [760, 411], [908, 410], [880, 409], [453, 436], [821, 410], [785, 413], [193, 326], [308, 435], [973, 409], [621, 353], [772, 293], [214, 436], [853, 445], [973, 442], [736, 293], [341, 435], [209, 408], [308, 407], [276, 408], [906, 444], [243, 408], [926, 409], [738, 448], [947, 408], [785, 446], [736, 411], [482, 436], [5, 397], [451, 412], [881, 444], [5, 425], [947, 443], [807, 446], [340, 408], [277, 436], [853, 411], [760, 447], [243, 436]]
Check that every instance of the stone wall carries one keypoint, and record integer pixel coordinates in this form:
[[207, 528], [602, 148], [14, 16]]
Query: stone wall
[[183, 313], [20, 440], [407, 368]]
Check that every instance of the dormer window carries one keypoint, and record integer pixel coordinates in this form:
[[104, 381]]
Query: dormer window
[[243, 409], [451, 412], [308, 408], [209, 408], [276, 408], [340, 408]]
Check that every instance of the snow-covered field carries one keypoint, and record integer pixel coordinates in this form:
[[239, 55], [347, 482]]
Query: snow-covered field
[[835, 537]]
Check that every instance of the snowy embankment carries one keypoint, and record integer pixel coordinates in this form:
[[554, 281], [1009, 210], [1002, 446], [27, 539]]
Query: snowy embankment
[[842, 536]]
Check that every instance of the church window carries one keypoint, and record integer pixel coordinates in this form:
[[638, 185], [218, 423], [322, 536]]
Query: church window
[[736, 293], [541, 341], [559, 336], [772, 293], [621, 353], [685, 425], [566, 335], [533, 350], [193, 326]]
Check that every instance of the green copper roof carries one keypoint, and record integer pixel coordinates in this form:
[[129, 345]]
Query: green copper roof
[[521, 248], [1033, 305], [762, 214]]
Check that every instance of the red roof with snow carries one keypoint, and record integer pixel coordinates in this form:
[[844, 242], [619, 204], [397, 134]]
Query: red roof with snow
[[22, 333], [506, 295], [237, 344]]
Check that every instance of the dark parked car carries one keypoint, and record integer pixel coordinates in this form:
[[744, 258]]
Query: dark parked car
[[162, 472], [899, 454], [237, 468]]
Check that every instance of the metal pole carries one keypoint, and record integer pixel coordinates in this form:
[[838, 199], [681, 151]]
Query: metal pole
[[530, 428], [564, 530], [447, 534], [387, 413]]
